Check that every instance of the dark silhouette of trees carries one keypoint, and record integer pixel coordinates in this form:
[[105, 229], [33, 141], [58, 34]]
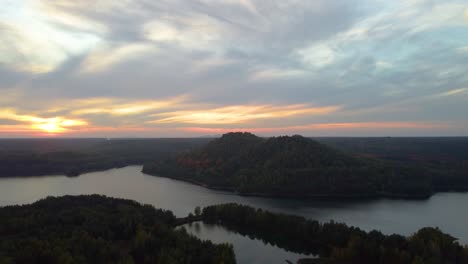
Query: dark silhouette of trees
[[97, 229], [197, 211], [72, 157], [336, 242]]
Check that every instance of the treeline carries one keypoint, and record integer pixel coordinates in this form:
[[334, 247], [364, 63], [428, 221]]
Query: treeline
[[301, 167], [443, 152], [37, 157], [445, 157], [97, 229], [336, 243]]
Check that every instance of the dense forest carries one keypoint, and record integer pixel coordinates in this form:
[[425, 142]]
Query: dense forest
[[97, 229], [438, 151], [302, 167], [37, 157], [336, 243]]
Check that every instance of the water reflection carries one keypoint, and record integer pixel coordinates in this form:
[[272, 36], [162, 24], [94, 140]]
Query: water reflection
[[247, 250]]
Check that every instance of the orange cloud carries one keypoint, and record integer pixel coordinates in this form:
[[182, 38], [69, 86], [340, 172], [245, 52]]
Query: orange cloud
[[240, 114], [319, 128], [324, 127], [121, 131], [5, 129], [118, 107]]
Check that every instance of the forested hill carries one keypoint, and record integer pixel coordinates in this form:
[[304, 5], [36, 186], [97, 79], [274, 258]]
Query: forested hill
[[300, 167]]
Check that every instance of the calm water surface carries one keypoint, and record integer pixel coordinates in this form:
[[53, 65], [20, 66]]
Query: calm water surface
[[247, 250], [445, 210]]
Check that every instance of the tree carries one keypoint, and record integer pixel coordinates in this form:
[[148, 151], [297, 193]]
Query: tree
[[197, 211]]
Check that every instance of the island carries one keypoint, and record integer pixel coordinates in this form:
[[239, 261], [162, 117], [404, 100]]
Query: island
[[299, 167]]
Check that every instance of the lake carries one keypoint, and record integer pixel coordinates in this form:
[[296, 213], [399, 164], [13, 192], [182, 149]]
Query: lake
[[444, 210]]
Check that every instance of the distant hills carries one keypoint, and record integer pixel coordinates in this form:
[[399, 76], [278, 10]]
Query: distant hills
[[295, 166]]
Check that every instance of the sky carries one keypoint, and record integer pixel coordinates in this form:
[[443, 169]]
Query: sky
[[175, 68]]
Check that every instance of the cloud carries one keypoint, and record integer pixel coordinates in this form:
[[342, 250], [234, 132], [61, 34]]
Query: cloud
[[400, 22], [57, 13], [273, 74], [463, 49], [107, 57], [10, 96], [20, 45], [452, 92], [318, 55], [350, 128], [121, 107], [383, 65], [192, 32], [247, 4], [205, 65], [240, 114]]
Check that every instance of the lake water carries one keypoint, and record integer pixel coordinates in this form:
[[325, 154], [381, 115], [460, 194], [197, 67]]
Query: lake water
[[447, 211], [248, 250]]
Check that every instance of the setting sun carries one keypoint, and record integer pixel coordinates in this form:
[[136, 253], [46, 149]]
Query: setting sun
[[57, 125], [51, 128], [51, 125]]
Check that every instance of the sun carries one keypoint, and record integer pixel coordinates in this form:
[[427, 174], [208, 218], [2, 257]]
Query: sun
[[56, 125], [51, 128]]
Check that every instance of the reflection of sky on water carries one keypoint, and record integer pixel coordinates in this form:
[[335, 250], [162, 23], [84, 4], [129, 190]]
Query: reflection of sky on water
[[247, 250]]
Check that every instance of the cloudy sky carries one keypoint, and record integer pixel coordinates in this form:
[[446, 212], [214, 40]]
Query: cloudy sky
[[149, 68]]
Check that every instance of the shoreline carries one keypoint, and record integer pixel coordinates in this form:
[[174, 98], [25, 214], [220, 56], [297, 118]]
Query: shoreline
[[294, 196], [258, 194], [68, 174]]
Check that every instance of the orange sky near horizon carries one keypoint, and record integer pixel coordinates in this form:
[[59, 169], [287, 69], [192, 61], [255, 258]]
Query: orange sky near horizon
[[318, 129]]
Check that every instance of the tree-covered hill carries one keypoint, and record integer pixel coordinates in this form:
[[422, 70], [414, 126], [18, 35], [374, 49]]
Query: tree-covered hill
[[97, 229], [300, 167]]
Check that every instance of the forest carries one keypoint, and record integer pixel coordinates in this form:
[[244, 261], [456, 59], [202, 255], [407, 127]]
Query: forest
[[72, 157], [301, 167], [336, 243], [97, 229]]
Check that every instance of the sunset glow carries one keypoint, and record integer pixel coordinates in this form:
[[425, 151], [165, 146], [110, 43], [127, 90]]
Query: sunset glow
[[139, 68], [51, 125], [241, 114]]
